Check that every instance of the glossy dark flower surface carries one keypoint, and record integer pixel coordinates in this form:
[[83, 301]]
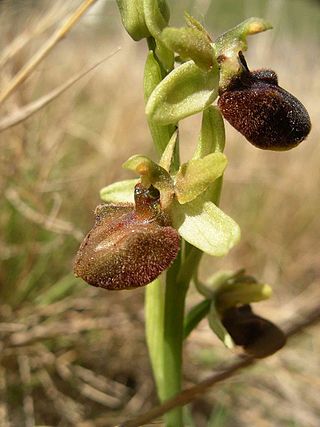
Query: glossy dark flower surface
[[129, 245], [258, 336], [266, 114]]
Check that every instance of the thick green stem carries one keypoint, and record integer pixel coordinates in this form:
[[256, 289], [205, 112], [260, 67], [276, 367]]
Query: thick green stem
[[154, 321], [173, 338], [178, 279]]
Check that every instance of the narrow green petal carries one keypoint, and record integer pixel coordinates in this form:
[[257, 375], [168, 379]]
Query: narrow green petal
[[218, 328]]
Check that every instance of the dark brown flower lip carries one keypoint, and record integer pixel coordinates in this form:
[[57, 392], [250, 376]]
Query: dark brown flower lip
[[258, 336], [266, 114]]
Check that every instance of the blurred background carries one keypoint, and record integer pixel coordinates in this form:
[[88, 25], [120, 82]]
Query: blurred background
[[71, 354]]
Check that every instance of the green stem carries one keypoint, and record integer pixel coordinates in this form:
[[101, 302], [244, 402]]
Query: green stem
[[154, 325], [173, 337], [178, 279]]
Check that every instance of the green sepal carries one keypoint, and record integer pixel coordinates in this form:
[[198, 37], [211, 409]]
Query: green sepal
[[242, 293], [152, 77], [205, 226], [194, 177], [119, 192], [185, 91], [132, 16], [190, 43], [194, 316], [229, 44], [212, 134], [230, 289], [151, 173], [217, 326]]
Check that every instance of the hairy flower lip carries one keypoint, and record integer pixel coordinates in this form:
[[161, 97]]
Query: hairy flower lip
[[129, 245], [266, 114]]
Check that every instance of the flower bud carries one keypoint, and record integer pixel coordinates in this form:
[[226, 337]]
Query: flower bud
[[268, 116], [133, 19], [129, 245], [258, 337]]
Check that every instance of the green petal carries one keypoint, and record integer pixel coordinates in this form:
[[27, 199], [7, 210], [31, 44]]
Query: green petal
[[205, 226], [169, 152], [119, 192], [185, 91], [218, 328], [242, 293], [229, 44], [195, 176]]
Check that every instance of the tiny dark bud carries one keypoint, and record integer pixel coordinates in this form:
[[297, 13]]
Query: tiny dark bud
[[258, 337], [129, 245], [268, 116]]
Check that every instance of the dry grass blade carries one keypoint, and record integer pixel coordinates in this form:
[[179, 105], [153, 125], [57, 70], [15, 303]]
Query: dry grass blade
[[65, 406], [61, 32], [56, 225], [56, 329], [26, 111], [93, 390], [25, 374], [297, 324], [39, 26], [102, 383]]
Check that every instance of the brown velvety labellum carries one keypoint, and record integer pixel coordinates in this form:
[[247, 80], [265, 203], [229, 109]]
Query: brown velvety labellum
[[268, 116], [129, 245], [258, 336]]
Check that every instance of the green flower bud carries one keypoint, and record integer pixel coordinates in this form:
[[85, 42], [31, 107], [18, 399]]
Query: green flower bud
[[268, 116], [258, 337], [132, 16], [129, 245], [144, 18]]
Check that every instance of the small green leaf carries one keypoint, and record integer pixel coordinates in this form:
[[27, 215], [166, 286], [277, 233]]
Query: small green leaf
[[194, 317], [152, 173], [185, 91], [119, 192], [190, 43], [132, 16], [194, 177], [212, 135], [205, 226], [218, 328]]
